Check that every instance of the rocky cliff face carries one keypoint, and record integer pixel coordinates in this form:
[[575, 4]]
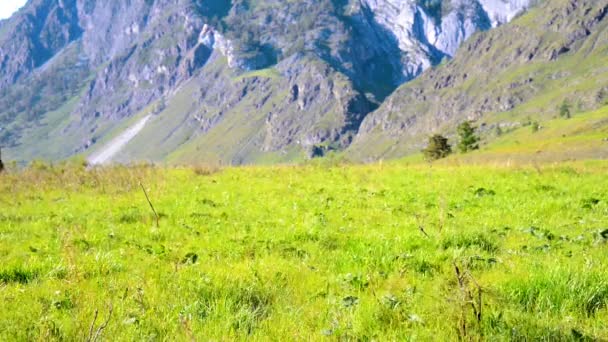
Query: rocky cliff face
[[28, 40], [499, 78], [309, 72], [425, 32]]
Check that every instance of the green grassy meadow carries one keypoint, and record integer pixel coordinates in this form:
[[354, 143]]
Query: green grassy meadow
[[387, 251]]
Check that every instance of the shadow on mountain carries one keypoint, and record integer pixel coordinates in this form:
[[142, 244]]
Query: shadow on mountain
[[213, 9], [371, 58]]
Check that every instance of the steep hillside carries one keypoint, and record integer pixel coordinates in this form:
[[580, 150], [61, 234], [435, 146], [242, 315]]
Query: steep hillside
[[240, 81], [503, 78], [582, 137]]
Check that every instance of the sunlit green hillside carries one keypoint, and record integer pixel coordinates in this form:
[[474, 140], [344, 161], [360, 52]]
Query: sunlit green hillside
[[583, 136]]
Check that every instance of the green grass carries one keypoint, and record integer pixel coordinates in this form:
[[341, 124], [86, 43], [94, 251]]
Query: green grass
[[495, 71], [263, 73], [310, 252], [582, 137], [583, 132]]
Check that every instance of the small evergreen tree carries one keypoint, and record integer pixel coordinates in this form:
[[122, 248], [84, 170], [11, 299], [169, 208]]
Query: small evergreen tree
[[564, 110], [437, 148], [468, 140]]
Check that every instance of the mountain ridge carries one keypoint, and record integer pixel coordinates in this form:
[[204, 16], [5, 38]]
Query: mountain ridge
[[555, 53], [307, 86]]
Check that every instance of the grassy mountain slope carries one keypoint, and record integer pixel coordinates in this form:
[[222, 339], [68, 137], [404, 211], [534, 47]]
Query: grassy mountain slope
[[37, 109], [158, 58], [330, 63], [557, 52], [230, 117], [582, 137]]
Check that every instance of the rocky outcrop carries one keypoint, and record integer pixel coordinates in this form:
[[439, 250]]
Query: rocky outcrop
[[30, 39], [325, 65], [426, 35], [149, 57], [497, 72], [334, 107]]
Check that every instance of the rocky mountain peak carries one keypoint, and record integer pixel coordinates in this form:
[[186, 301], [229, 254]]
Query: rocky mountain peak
[[309, 70]]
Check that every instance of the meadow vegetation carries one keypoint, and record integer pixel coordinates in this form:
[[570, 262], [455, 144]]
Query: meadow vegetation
[[387, 251]]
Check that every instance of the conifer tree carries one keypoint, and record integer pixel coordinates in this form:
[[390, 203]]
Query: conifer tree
[[469, 141]]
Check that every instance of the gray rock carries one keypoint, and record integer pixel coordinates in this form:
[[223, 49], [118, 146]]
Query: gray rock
[[99, 63]]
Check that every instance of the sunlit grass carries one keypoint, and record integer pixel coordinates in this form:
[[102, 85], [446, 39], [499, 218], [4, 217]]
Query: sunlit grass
[[308, 252]]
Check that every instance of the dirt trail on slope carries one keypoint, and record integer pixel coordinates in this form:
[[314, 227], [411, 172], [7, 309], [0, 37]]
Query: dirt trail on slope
[[106, 154]]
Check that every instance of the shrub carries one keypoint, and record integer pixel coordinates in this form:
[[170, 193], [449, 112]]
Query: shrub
[[206, 170], [437, 148], [535, 126]]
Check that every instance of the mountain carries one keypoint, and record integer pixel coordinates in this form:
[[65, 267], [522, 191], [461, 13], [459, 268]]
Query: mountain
[[231, 81], [503, 79]]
